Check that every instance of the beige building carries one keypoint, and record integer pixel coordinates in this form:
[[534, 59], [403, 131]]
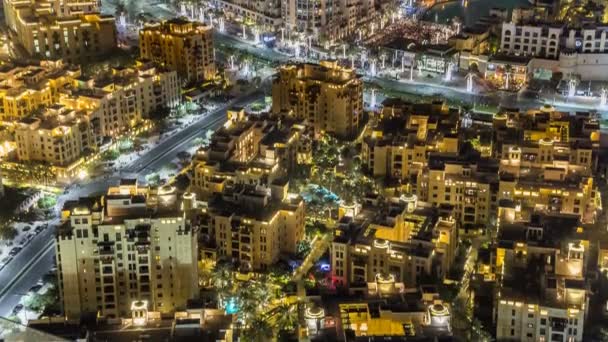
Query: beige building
[[250, 149], [540, 266], [470, 186], [396, 237], [399, 142], [58, 137], [252, 226], [135, 244], [546, 162], [330, 20], [180, 45], [327, 96], [24, 89], [251, 219], [120, 101], [71, 30]]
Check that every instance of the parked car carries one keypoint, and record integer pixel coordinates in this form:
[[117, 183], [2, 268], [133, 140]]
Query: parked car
[[17, 309], [14, 251], [35, 288]]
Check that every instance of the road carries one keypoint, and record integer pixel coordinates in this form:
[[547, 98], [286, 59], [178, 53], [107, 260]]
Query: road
[[167, 151], [38, 256]]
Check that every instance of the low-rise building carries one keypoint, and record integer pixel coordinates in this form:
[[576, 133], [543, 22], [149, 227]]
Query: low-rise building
[[182, 46], [58, 137], [250, 149], [252, 226], [401, 139], [470, 186], [72, 30], [134, 245], [396, 237], [327, 96], [121, 100], [547, 159], [26, 88], [540, 263]]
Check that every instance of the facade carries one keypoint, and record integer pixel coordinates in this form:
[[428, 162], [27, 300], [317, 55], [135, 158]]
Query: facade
[[328, 97], [182, 46], [24, 89], [540, 264], [70, 30], [252, 226], [250, 149], [395, 237], [133, 245], [531, 40], [333, 20], [399, 143], [123, 99], [264, 14], [57, 137]]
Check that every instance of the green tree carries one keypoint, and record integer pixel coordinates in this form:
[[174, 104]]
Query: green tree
[[8, 232], [286, 317], [258, 330]]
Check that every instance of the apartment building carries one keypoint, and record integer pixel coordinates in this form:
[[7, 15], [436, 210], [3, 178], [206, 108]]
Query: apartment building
[[265, 14], [121, 100], [57, 136], [332, 20], [547, 138], [399, 143], [395, 237], [328, 97], [26, 88], [72, 30], [531, 39], [540, 264], [587, 40], [182, 46], [250, 149], [135, 244], [470, 185], [547, 159], [252, 226]]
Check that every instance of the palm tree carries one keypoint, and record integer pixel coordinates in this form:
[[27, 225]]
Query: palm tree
[[286, 317], [223, 282], [258, 330]]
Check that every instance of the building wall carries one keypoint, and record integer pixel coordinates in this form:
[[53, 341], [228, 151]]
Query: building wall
[[21, 94], [185, 47], [530, 40], [59, 146], [521, 321], [329, 97], [158, 265]]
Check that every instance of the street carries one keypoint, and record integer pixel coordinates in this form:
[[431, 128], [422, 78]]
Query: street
[[37, 257]]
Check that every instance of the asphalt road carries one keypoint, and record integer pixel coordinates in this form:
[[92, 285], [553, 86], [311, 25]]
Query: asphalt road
[[38, 256], [167, 151], [26, 268]]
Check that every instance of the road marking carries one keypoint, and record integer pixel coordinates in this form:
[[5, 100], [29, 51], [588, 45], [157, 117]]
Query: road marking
[[26, 268]]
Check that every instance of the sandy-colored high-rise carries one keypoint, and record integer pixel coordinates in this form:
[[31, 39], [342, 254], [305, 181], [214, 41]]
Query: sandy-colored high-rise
[[70, 30], [180, 45], [326, 95], [133, 244]]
